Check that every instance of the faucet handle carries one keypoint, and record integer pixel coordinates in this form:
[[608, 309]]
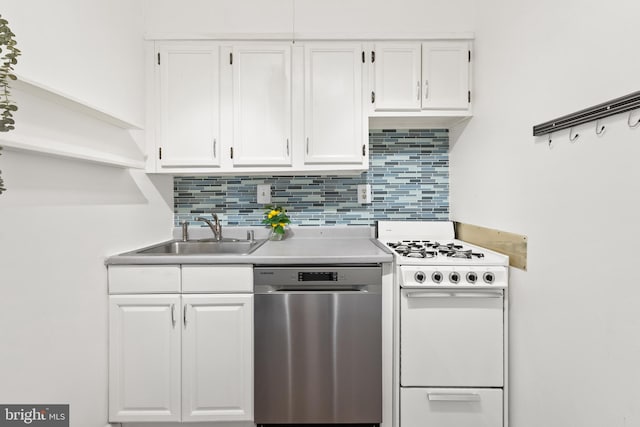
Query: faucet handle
[[250, 235]]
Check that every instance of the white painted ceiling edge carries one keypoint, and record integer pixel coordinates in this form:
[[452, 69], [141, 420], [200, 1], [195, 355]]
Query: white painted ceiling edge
[[310, 19], [371, 36]]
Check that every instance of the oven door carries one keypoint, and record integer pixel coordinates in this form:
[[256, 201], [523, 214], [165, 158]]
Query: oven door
[[451, 338]]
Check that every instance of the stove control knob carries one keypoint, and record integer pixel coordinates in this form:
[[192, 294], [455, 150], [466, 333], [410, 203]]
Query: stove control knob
[[420, 277], [488, 277], [472, 277], [454, 277], [436, 277]]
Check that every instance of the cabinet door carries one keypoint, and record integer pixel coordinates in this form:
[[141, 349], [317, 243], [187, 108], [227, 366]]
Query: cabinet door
[[445, 75], [217, 372], [189, 105], [144, 358], [334, 117], [397, 76], [262, 105]]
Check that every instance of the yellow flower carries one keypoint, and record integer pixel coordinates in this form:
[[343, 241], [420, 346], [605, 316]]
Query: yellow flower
[[274, 225], [282, 224], [273, 213]]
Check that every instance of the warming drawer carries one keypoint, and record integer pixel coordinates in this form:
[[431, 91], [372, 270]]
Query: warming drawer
[[443, 407]]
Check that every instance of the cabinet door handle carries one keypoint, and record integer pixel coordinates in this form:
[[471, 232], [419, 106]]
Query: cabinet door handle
[[455, 397], [418, 90], [214, 148], [307, 145], [287, 147], [173, 315], [184, 315], [426, 89]]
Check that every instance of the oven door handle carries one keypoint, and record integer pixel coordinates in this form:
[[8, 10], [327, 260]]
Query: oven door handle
[[454, 294], [453, 397]]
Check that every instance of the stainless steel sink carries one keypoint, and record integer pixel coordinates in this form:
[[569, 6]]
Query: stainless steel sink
[[203, 247]]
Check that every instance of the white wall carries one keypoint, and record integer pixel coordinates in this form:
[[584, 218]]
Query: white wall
[[89, 49], [575, 325], [308, 16], [59, 218]]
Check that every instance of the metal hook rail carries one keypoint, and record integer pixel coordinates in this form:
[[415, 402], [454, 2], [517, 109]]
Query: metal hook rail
[[615, 106]]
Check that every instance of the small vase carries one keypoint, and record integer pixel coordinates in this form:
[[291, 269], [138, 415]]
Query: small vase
[[276, 236]]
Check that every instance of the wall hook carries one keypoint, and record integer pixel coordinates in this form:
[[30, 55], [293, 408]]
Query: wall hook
[[572, 137], [599, 129], [634, 125]]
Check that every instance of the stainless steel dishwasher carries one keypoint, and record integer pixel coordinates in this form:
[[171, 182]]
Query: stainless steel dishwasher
[[318, 345]]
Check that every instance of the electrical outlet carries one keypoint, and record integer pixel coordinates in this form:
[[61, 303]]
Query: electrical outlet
[[364, 193], [264, 194]]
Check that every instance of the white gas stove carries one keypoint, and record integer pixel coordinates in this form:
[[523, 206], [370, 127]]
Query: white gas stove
[[430, 256], [452, 327]]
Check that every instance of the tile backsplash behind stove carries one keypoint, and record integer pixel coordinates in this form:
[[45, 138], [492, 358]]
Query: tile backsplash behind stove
[[408, 173]]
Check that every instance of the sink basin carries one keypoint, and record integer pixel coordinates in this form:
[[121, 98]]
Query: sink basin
[[204, 247]]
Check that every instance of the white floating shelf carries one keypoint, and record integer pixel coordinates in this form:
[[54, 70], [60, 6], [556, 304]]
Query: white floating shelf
[[57, 149], [44, 128], [75, 104]]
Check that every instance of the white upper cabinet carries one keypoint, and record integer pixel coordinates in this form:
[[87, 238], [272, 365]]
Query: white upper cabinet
[[188, 105], [334, 120], [429, 78], [261, 105], [275, 107], [397, 77], [445, 75]]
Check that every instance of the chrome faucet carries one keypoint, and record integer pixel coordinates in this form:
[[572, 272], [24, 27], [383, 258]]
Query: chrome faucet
[[215, 226], [185, 230]]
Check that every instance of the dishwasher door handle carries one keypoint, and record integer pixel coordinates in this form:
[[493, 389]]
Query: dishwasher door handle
[[318, 289]]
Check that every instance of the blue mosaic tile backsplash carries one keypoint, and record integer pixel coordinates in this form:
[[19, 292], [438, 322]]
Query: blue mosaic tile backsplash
[[408, 173]]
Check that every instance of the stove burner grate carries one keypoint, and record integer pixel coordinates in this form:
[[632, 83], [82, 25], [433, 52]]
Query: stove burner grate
[[429, 249]]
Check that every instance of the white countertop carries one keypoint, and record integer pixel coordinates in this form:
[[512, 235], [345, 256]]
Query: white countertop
[[317, 245], [321, 251]]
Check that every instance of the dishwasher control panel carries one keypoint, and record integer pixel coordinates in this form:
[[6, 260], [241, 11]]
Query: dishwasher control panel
[[317, 276]]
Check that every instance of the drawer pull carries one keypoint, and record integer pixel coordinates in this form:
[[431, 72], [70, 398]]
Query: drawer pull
[[453, 397]]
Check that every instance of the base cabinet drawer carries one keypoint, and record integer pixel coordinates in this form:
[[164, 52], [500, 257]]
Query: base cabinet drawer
[[438, 407]]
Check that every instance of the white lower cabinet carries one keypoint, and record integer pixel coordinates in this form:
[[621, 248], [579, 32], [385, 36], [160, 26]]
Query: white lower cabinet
[[451, 407], [181, 357], [144, 358], [217, 358]]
